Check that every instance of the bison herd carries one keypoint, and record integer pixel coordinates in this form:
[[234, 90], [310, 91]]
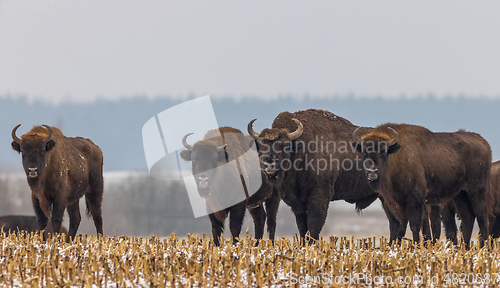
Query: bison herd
[[307, 159]]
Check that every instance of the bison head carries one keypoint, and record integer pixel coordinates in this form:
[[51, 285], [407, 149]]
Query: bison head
[[33, 146], [205, 157], [275, 147], [376, 147]]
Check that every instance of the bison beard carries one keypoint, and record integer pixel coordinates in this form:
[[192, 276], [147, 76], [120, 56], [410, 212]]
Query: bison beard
[[309, 192], [419, 167], [209, 155], [60, 170]]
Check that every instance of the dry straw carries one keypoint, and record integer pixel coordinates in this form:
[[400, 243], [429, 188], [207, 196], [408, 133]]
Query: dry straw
[[28, 261]]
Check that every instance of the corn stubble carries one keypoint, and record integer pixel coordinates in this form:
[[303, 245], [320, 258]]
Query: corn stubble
[[28, 261]]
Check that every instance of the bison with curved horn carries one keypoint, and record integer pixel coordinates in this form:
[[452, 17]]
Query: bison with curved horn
[[307, 157], [410, 166], [217, 181], [60, 170]]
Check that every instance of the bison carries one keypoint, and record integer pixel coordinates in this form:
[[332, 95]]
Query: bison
[[308, 159], [15, 223], [215, 184], [495, 191], [448, 213], [410, 166], [60, 170]]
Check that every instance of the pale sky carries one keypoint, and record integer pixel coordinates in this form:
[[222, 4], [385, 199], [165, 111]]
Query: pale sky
[[81, 50]]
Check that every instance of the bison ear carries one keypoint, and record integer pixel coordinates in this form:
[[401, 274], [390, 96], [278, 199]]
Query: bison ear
[[186, 155], [358, 147], [50, 145], [393, 149], [16, 146]]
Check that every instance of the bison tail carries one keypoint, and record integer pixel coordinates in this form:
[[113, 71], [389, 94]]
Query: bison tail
[[87, 211], [89, 214]]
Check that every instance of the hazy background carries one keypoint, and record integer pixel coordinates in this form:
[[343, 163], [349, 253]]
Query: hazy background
[[102, 69]]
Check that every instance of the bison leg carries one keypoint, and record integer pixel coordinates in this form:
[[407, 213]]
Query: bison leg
[[316, 215], [448, 219], [217, 228], [415, 216], [272, 205], [435, 223], [58, 208], [93, 199], [40, 216], [236, 217], [494, 227], [259, 220], [94, 210], [426, 230], [397, 230], [466, 215], [301, 220], [478, 201], [74, 220]]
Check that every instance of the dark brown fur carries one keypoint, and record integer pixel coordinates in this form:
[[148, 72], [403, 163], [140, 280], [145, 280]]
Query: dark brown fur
[[450, 212], [14, 223], [68, 168], [495, 192], [238, 144], [309, 192], [441, 213], [431, 168]]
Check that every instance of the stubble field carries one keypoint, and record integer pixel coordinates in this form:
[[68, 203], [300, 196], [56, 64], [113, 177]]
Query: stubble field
[[28, 261]]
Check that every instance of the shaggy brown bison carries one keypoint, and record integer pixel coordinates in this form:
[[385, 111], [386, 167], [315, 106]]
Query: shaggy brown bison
[[14, 223], [218, 184], [308, 159], [60, 170], [410, 166], [495, 191], [448, 214]]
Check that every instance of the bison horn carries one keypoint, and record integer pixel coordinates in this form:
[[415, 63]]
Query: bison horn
[[51, 133], [14, 137], [394, 139], [252, 132], [221, 148], [356, 135], [296, 134], [184, 142]]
